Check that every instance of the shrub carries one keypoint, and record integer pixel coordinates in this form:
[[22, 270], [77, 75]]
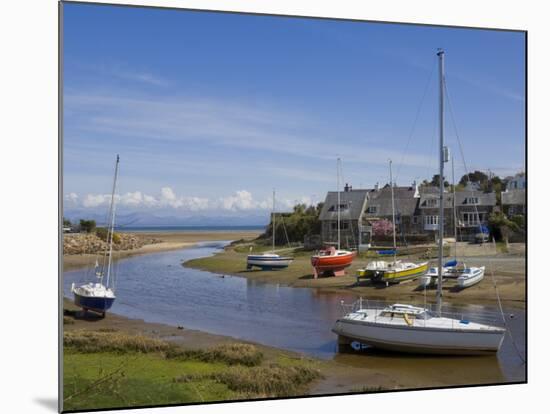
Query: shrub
[[94, 341], [231, 354], [87, 226], [272, 381], [103, 234]]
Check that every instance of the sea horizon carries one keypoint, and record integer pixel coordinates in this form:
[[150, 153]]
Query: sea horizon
[[189, 228]]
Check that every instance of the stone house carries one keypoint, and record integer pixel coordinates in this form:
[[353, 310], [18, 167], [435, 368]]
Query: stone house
[[379, 207], [352, 207], [416, 213], [513, 202], [472, 211]]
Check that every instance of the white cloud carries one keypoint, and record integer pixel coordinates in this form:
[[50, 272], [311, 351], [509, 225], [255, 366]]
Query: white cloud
[[130, 199], [239, 201], [71, 199], [95, 200]]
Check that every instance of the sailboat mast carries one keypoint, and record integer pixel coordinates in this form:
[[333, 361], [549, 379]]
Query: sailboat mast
[[441, 55], [273, 221], [112, 222], [393, 213], [338, 191], [454, 201]]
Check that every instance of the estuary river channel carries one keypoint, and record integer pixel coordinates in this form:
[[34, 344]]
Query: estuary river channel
[[157, 288]]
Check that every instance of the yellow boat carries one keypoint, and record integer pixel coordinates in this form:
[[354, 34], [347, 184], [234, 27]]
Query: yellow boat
[[392, 272]]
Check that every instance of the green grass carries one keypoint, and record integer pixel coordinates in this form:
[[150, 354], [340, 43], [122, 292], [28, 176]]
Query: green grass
[[112, 369], [135, 379]]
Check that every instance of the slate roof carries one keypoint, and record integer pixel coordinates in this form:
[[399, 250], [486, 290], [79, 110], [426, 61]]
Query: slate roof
[[485, 199], [354, 199], [516, 197], [405, 202]]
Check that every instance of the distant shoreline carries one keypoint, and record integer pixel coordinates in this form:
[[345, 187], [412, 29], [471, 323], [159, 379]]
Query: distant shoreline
[[170, 240], [190, 229]]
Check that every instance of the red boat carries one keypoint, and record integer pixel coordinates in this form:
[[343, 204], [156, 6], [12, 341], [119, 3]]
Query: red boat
[[331, 261]]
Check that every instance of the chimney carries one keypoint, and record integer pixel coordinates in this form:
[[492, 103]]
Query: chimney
[[347, 188], [376, 187]]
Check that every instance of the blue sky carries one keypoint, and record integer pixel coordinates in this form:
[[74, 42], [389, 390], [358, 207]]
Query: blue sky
[[211, 111]]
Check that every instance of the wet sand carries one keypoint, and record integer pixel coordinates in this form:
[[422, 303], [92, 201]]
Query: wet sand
[[170, 241], [506, 270]]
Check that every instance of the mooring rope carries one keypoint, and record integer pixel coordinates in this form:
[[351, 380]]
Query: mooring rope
[[508, 330]]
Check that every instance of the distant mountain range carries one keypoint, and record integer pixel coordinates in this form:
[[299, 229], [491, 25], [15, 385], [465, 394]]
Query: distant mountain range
[[136, 219]]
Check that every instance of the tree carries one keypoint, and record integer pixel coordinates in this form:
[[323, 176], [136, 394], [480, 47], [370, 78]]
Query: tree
[[476, 177], [302, 221], [299, 208], [435, 181], [87, 225], [519, 219], [382, 228], [66, 222], [500, 226]]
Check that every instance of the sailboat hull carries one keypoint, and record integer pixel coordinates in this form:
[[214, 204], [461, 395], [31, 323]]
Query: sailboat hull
[[394, 276], [332, 263], [267, 262], [97, 304], [414, 339], [475, 276]]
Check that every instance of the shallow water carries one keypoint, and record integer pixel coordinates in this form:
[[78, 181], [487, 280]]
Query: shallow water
[[157, 288]]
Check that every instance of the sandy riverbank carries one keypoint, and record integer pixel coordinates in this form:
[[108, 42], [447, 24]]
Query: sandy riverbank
[[169, 241], [508, 271]]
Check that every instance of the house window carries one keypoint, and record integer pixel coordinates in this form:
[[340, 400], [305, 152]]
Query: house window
[[372, 209], [432, 220], [472, 218], [472, 200], [335, 207], [343, 226], [415, 219], [432, 202]]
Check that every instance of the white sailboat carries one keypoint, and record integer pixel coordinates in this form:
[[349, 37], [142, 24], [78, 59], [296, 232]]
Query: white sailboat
[[269, 260], [407, 328], [392, 271], [98, 296]]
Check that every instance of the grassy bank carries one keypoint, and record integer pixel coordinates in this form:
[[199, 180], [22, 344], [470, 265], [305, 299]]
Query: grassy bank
[[508, 272], [114, 369]]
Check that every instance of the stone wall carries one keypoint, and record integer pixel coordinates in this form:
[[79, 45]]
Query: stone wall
[[83, 243]]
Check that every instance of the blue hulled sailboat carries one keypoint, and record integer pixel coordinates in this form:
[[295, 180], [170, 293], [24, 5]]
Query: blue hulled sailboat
[[99, 296]]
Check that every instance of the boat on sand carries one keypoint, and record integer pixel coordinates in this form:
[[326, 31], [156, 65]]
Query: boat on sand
[[269, 260]]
